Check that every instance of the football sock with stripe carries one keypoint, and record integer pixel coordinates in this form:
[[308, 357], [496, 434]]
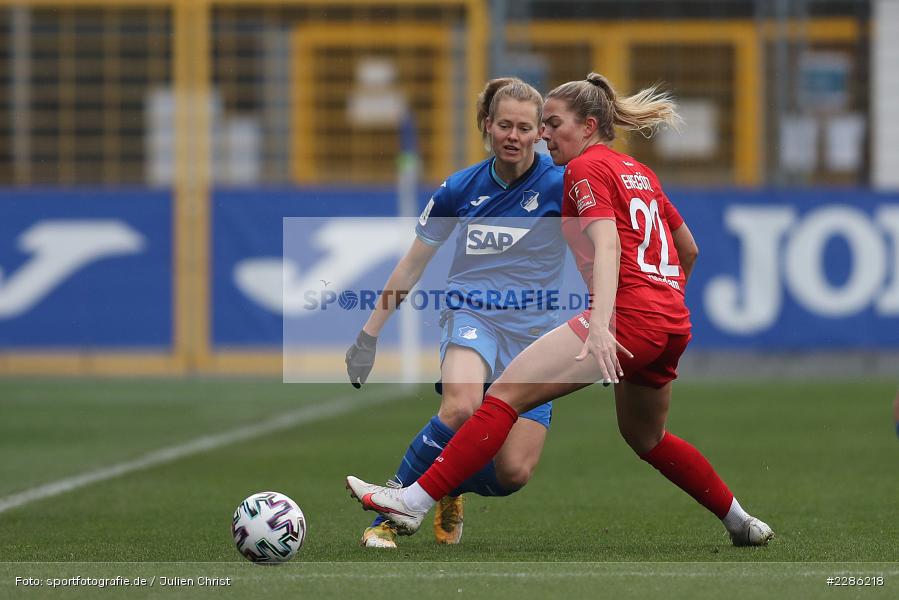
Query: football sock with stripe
[[689, 470], [469, 451], [420, 454]]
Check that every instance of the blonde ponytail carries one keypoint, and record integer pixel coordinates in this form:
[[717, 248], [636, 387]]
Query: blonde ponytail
[[595, 97]]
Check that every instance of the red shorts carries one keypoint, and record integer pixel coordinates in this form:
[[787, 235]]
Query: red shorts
[[656, 353]]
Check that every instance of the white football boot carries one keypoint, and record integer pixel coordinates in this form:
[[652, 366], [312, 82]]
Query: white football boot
[[753, 532], [388, 502]]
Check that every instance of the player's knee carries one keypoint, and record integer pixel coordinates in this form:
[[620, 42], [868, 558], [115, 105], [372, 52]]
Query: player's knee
[[642, 442], [457, 408], [455, 416], [499, 389], [514, 476], [515, 396]]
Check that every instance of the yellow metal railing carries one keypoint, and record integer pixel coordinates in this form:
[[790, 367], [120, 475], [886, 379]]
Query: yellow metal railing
[[90, 73], [613, 46], [93, 61], [366, 155]]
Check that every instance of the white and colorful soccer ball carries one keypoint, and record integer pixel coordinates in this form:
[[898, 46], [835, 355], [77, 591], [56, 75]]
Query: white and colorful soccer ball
[[268, 527]]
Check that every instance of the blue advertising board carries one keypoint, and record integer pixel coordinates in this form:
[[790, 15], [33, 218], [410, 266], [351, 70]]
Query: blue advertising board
[[779, 270], [85, 269], [247, 251], [794, 269]]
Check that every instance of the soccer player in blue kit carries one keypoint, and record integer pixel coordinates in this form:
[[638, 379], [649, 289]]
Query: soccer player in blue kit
[[507, 245]]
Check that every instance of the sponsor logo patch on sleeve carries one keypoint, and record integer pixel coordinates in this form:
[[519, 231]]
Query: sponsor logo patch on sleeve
[[582, 195]]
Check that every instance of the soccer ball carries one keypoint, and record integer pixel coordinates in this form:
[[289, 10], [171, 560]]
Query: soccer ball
[[268, 527]]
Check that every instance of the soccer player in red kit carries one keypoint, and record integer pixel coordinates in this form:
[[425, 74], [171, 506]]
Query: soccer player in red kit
[[635, 254]]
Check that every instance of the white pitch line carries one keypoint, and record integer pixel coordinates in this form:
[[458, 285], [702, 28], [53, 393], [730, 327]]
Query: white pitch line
[[301, 416]]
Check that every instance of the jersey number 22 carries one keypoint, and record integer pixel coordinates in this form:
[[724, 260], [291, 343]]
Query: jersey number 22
[[651, 218]]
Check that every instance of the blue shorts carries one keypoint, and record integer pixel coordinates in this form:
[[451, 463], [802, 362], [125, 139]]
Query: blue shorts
[[495, 346]]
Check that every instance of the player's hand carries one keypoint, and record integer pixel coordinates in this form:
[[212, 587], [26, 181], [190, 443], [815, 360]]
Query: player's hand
[[360, 358], [604, 348]]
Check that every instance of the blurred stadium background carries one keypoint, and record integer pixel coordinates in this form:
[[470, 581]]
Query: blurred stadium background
[[149, 149]]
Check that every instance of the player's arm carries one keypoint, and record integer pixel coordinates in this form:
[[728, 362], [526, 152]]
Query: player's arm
[[360, 357], [606, 262], [686, 247], [681, 237], [404, 277]]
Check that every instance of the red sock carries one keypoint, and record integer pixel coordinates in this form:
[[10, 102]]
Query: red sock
[[689, 470], [473, 446]]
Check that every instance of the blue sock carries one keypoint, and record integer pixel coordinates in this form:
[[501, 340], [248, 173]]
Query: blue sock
[[483, 483], [897, 428], [425, 447]]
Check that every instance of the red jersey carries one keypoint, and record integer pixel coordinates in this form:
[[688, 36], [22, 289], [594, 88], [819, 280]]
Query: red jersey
[[604, 184]]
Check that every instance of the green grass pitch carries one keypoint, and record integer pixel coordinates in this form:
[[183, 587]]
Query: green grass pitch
[[817, 461]]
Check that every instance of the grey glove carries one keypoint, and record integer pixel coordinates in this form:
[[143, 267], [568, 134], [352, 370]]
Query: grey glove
[[360, 358]]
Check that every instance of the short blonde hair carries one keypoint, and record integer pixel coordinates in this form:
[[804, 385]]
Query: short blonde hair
[[504, 87]]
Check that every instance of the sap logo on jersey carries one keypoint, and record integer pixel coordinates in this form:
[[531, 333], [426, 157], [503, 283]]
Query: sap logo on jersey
[[492, 239]]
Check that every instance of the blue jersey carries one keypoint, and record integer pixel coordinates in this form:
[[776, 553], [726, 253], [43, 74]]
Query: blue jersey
[[509, 250]]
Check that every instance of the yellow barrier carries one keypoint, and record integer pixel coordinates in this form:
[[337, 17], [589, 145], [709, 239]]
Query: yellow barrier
[[314, 126], [570, 47]]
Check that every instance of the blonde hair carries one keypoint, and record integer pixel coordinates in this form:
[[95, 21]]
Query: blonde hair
[[595, 97], [496, 90]]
